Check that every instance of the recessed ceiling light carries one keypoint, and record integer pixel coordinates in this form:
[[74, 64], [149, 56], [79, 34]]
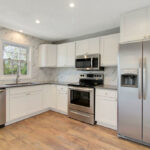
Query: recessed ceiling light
[[71, 5], [21, 31], [37, 21]]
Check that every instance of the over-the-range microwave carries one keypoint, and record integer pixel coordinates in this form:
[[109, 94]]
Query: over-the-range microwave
[[88, 62]]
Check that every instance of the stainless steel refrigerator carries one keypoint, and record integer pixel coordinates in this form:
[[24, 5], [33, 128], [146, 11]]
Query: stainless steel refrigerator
[[134, 92]]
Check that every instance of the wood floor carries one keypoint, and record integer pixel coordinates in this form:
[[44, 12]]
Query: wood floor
[[53, 131]]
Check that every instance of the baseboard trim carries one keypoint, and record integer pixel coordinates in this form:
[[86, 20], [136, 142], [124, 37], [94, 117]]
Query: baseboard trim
[[34, 114], [107, 125], [27, 116]]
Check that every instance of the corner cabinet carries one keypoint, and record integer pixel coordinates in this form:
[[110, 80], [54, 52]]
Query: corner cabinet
[[25, 102], [106, 108], [135, 25], [88, 46], [66, 55], [109, 46], [47, 55]]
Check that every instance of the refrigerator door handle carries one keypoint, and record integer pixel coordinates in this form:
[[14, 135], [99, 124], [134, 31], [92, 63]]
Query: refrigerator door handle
[[144, 78], [140, 79]]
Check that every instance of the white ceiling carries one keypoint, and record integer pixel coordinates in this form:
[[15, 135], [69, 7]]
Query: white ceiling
[[59, 21]]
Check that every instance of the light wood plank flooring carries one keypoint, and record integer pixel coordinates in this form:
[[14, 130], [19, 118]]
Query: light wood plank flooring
[[54, 131]]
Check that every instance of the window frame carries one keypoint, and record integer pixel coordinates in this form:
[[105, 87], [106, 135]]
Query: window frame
[[13, 76]]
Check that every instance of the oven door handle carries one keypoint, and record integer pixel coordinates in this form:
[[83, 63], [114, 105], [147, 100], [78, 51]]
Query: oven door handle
[[81, 89]]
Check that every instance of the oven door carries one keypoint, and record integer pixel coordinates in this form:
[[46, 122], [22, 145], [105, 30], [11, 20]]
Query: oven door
[[81, 99]]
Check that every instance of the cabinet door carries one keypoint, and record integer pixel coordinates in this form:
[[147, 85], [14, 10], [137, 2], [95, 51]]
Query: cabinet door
[[25, 104], [109, 50], [70, 58], [62, 102], [53, 97], [81, 47], [61, 55], [106, 112], [18, 106], [34, 102], [133, 26], [47, 55], [93, 46], [62, 99], [46, 96], [148, 23], [51, 56]]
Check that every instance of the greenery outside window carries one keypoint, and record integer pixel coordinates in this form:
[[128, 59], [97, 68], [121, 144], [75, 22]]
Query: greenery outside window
[[15, 59]]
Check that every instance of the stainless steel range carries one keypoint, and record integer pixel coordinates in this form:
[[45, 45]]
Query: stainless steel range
[[82, 97]]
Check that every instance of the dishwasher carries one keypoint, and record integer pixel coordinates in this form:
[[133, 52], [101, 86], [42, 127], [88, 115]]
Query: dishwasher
[[2, 107]]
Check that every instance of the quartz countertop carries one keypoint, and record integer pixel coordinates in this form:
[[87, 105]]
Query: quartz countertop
[[110, 87], [52, 82], [32, 84]]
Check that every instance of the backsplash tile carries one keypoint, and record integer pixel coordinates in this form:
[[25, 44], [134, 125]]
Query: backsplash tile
[[72, 75]]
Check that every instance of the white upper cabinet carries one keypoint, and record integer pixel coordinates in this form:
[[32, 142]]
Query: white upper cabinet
[[134, 25], [148, 23], [47, 55], [94, 46], [88, 46], [61, 55], [81, 47], [109, 46], [66, 55], [70, 61]]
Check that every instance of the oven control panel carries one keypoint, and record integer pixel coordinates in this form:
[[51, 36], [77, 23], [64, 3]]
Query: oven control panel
[[92, 76]]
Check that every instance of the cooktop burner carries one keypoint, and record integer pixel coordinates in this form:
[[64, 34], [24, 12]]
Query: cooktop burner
[[89, 80]]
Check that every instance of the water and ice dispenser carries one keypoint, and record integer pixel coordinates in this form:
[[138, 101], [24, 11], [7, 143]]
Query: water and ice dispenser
[[129, 78]]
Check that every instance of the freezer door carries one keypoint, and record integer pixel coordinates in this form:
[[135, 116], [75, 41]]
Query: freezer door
[[146, 91], [129, 93]]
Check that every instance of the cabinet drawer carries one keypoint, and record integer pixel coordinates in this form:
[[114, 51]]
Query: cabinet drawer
[[62, 89], [106, 93], [23, 90]]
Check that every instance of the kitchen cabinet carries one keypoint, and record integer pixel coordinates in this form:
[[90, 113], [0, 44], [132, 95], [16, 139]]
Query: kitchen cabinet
[[61, 55], [23, 101], [106, 108], [109, 46], [88, 46], [134, 26], [66, 55], [81, 47], [62, 99], [47, 55], [52, 97]]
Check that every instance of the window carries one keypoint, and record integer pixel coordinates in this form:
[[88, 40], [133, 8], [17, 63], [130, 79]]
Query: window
[[15, 59]]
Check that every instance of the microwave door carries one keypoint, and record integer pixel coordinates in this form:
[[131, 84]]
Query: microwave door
[[83, 63]]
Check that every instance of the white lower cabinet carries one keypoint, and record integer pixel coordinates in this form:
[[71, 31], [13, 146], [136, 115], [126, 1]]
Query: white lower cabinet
[[106, 108], [62, 99], [23, 102]]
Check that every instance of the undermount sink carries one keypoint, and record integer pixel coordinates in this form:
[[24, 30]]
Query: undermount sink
[[20, 83]]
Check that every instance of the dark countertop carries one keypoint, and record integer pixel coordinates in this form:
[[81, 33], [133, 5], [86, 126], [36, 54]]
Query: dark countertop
[[110, 87], [32, 84], [52, 82]]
